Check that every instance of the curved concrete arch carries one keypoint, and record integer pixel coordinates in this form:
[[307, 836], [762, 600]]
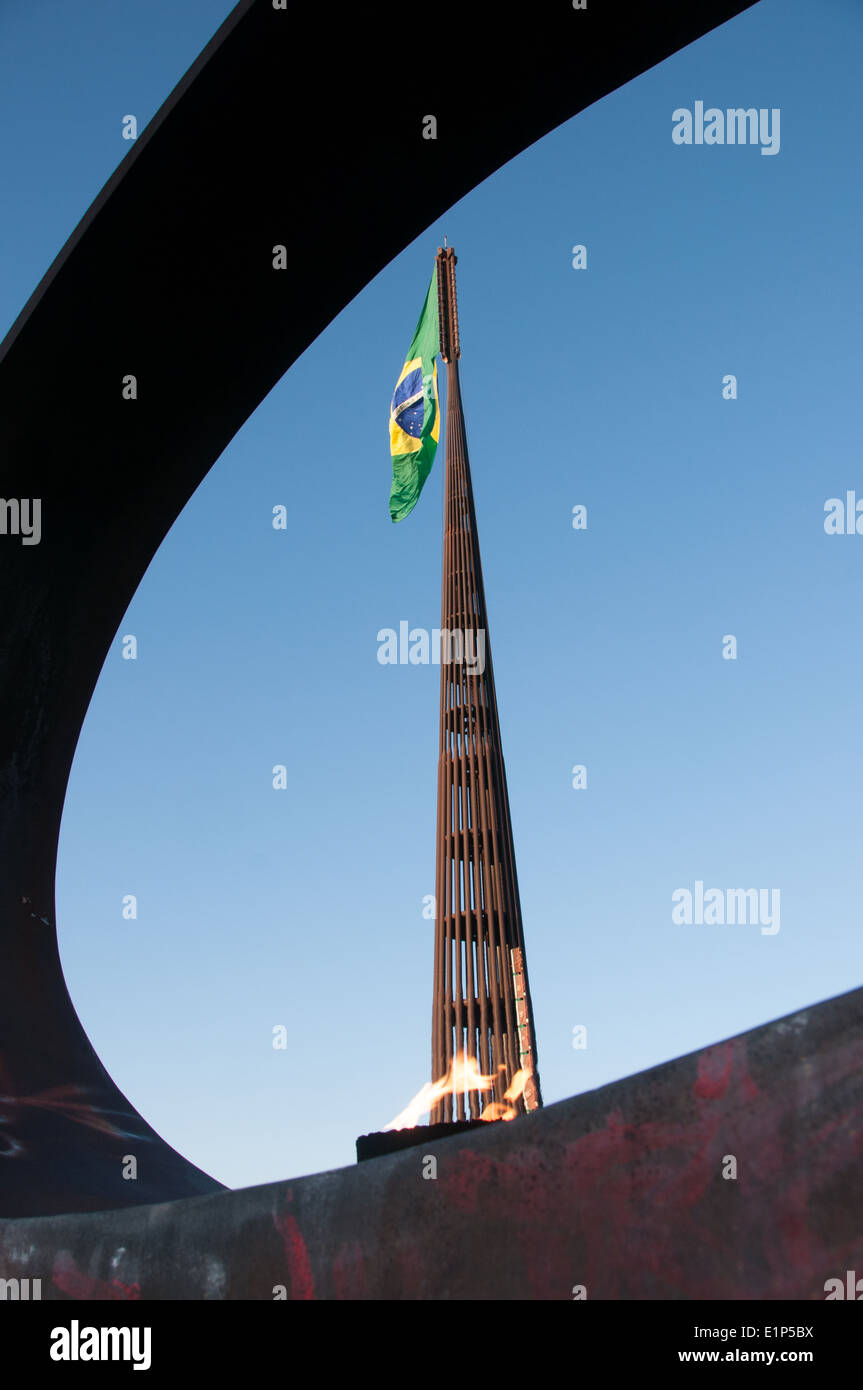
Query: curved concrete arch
[[169, 277]]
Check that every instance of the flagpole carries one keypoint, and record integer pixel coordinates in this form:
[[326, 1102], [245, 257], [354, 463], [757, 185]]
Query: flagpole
[[482, 1003]]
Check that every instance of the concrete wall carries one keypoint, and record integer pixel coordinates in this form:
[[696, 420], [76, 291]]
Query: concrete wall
[[620, 1190]]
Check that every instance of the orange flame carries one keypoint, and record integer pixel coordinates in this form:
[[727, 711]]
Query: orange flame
[[464, 1075], [497, 1110]]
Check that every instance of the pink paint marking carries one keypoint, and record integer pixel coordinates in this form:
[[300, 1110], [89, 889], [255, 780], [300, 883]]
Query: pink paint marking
[[72, 1281], [299, 1264], [714, 1072]]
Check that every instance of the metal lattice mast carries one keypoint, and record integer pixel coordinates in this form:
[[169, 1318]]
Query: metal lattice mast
[[482, 1002]]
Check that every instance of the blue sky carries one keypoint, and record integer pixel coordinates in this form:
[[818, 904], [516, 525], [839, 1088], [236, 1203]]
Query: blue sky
[[303, 907]]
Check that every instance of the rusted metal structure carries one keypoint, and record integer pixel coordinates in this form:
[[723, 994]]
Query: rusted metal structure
[[482, 1005]]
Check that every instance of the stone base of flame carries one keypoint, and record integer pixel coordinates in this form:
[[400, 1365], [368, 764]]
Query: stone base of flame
[[390, 1141]]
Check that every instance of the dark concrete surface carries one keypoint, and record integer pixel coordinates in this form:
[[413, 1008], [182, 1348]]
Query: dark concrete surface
[[620, 1190]]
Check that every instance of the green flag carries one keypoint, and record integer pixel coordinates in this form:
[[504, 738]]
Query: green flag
[[415, 411]]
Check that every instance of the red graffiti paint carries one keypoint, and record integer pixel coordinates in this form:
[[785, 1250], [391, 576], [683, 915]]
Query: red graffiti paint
[[72, 1281], [714, 1072], [302, 1284]]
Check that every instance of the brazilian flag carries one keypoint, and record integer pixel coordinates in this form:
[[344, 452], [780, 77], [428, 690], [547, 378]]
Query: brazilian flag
[[415, 411]]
